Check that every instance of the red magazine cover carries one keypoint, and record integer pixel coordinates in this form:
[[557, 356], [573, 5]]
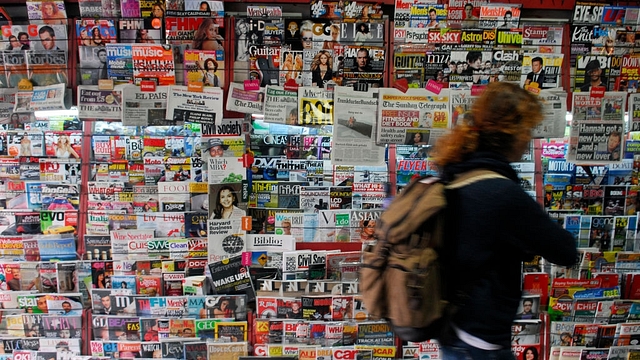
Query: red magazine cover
[[536, 284], [266, 307], [150, 285]]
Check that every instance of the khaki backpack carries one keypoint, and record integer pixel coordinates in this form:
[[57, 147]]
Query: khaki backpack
[[400, 277]]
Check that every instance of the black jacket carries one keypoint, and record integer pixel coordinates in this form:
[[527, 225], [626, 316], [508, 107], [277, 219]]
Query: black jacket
[[496, 226]]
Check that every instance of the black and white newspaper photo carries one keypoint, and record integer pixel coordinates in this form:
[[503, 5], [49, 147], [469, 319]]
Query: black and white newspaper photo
[[354, 140]]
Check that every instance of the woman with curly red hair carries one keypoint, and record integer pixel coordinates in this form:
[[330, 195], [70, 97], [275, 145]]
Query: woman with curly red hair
[[493, 224]]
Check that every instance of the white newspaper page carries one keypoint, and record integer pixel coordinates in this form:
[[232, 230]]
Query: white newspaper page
[[99, 104], [200, 107], [417, 117], [244, 101], [597, 129], [48, 97], [281, 106], [142, 108], [554, 107], [354, 128]]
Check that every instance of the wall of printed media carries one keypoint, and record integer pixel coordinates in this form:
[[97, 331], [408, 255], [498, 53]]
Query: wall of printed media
[[142, 228]]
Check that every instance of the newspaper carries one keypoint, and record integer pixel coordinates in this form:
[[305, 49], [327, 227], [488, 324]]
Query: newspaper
[[7, 99], [99, 104], [200, 107], [315, 106], [280, 106], [353, 131], [597, 129], [412, 118], [142, 108], [244, 101], [554, 107], [48, 98], [610, 107], [23, 101], [460, 104]]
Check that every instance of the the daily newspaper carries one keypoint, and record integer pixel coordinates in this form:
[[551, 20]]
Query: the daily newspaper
[[280, 106], [597, 129], [417, 117], [142, 108], [245, 101], [354, 140], [200, 107], [48, 97], [315, 106], [99, 104]]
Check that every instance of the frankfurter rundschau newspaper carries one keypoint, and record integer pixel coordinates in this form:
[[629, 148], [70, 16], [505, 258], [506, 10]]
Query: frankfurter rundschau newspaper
[[354, 128]]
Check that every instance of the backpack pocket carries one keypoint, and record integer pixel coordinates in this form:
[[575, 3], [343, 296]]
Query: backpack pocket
[[374, 264]]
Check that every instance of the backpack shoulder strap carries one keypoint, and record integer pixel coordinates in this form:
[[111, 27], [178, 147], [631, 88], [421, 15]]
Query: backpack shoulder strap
[[472, 176]]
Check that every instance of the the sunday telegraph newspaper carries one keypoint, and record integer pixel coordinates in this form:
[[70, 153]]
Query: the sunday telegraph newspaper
[[554, 107], [417, 117], [200, 107], [354, 125], [280, 106], [597, 129], [48, 97], [245, 101], [315, 106], [99, 104], [142, 108]]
